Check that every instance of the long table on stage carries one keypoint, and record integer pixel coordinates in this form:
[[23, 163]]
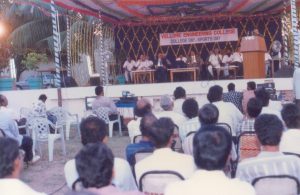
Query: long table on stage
[[137, 75], [192, 70]]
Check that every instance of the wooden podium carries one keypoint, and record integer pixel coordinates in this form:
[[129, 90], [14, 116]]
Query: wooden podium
[[253, 49]]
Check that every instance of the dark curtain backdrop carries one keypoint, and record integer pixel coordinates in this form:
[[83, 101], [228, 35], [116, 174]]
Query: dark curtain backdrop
[[137, 40]]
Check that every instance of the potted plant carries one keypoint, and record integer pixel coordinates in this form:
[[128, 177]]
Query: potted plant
[[31, 62]]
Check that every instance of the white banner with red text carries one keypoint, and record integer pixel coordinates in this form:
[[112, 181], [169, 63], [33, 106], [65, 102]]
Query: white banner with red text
[[194, 37]]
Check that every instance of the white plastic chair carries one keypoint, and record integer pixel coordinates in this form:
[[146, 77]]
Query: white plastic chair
[[65, 119], [187, 127], [41, 133], [102, 113]]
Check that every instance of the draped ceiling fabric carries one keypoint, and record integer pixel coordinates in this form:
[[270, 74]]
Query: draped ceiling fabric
[[138, 22]]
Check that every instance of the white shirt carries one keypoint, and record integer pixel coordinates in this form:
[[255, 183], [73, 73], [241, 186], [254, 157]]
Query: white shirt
[[123, 178], [226, 59], [210, 183], [236, 57], [178, 119], [214, 59], [9, 125], [142, 65], [16, 187], [290, 141], [267, 57], [134, 128], [184, 59], [129, 65], [168, 160], [270, 110], [178, 106], [228, 113]]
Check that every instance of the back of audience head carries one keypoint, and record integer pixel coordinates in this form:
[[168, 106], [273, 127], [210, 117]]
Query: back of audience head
[[43, 98], [93, 130], [179, 93], [142, 107], [99, 90], [291, 116], [190, 108], [146, 124], [82, 192], [231, 87], [161, 133], [166, 103], [251, 85], [212, 146], [3, 100], [215, 94], [94, 164], [263, 95], [254, 107], [268, 129], [208, 114], [11, 161]]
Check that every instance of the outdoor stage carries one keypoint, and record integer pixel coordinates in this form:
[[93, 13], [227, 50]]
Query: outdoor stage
[[74, 98]]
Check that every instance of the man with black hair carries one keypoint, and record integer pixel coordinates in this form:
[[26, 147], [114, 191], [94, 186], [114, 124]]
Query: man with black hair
[[142, 108], [11, 165], [145, 144], [228, 113], [263, 95], [94, 130], [233, 96], [254, 108], [269, 161], [163, 158], [208, 114], [212, 147], [290, 138], [248, 94], [179, 96], [102, 101], [95, 164]]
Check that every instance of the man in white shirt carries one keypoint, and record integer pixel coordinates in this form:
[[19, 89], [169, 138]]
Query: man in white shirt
[[269, 161], [226, 60], [128, 66], [142, 108], [237, 60], [163, 158], [179, 96], [167, 105], [291, 138], [102, 101], [11, 165], [142, 64], [210, 179], [215, 60], [268, 62], [263, 95], [228, 112], [93, 130]]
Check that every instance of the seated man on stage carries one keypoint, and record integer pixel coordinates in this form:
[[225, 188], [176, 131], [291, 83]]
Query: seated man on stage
[[215, 61], [237, 60], [226, 61], [162, 65], [181, 61], [142, 64], [149, 62], [268, 64], [128, 67]]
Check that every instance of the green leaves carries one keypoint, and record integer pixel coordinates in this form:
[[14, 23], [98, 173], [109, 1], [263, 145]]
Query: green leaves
[[32, 59]]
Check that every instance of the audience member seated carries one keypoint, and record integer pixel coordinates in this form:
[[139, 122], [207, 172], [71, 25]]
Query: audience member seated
[[4, 107], [291, 138], [228, 113], [94, 130], [167, 105], [163, 158], [208, 115], [102, 101], [39, 108], [11, 164], [212, 147], [248, 94], [142, 108], [145, 144], [254, 108], [180, 96], [10, 128], [269, 161], [263, 95], [95, 163], [233, 96]]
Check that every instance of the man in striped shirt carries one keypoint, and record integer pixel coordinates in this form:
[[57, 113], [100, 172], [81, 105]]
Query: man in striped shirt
[[269, 161]]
